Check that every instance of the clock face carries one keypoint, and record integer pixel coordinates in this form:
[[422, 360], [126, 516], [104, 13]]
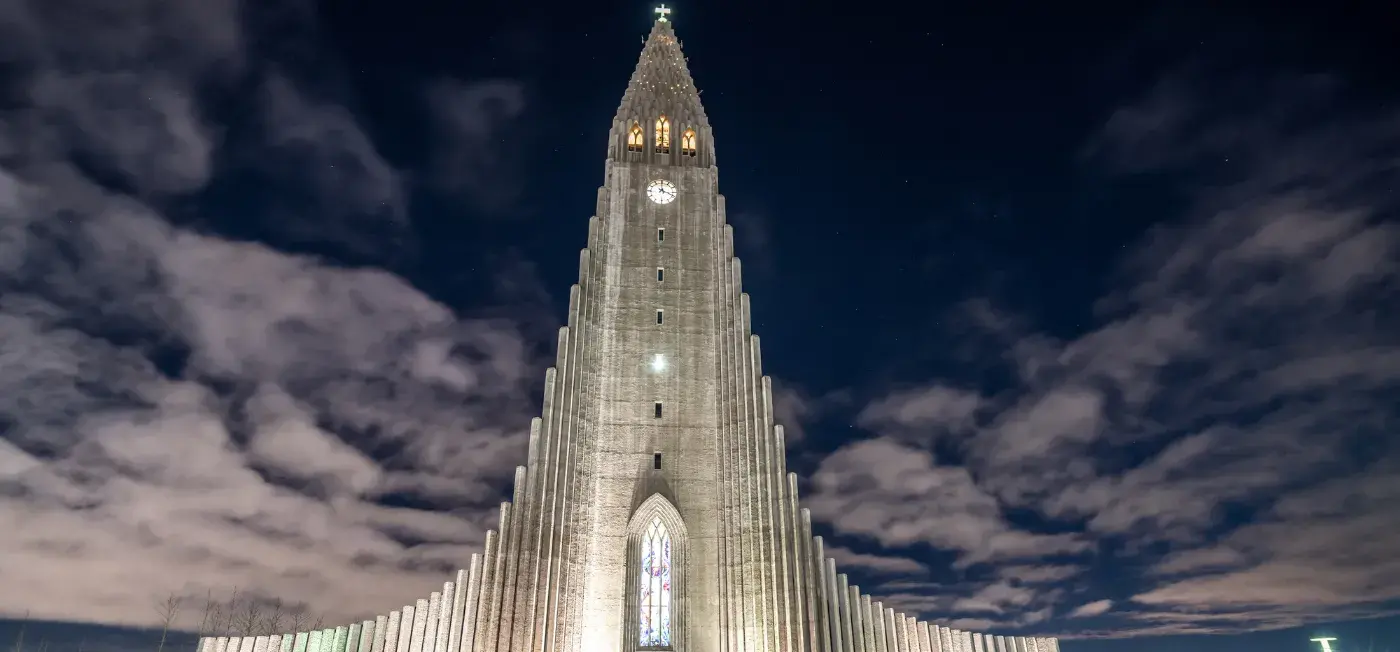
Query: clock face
[[661, 191]]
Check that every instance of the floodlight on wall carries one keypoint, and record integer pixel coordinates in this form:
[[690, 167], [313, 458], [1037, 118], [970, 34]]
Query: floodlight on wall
[[658, 363]]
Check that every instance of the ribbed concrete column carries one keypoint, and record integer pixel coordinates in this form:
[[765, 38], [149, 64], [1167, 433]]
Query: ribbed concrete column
[[492, 624], [867, 623], [833, 592], [967, 641], [486, 596], [877, 619], [341, 640], [822, 608], [857, 625], [313, 641], [511, 565], [260, 644], [977, 642], [430, 624], [406, 616], [352, 638], [366, 643], [843, 601], [470, 608], [381, 634], [443, 619], [730, 450], [791, 549], [804, 557], [1001, 643], [921, 630], [300, 641], [932, 633], [912, 632], [891, 634]]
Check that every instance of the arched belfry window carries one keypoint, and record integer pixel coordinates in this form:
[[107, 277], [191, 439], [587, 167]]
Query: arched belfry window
[[654, 597], [635, 138], [663, 135], [688, 143], [656, 554]]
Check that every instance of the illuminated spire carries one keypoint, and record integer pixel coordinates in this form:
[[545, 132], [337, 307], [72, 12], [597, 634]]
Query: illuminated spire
[[661, 83], [661, 111]]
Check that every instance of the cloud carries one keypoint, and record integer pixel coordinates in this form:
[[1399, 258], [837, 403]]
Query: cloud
[[1096, 608], [185, 412], [847, 558], [898, 495], [1229, 405], [920, 408], [795, 408]]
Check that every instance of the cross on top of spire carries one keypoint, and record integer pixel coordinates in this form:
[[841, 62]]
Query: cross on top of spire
[[662, 11]]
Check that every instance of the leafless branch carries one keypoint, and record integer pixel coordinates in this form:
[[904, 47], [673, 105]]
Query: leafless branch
[[299, 617], [167, 611], [249, 617], [272, 623]]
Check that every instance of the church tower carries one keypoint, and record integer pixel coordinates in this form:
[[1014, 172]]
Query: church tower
[[655, 511]]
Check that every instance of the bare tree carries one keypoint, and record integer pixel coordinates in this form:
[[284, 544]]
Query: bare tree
[[167, 611], [299, 617], [248, 618], [272, 622], [320, 618], [221, 622], [210, 610]]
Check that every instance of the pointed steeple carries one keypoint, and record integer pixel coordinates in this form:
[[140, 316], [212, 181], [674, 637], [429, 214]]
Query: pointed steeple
[[661, 87]]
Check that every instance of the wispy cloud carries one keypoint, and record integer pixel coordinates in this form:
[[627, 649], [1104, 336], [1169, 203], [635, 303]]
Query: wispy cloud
[[1231, 405], [185, 412]]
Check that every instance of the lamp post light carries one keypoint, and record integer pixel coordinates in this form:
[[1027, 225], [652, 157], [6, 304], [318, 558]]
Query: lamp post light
[[1325, 642]]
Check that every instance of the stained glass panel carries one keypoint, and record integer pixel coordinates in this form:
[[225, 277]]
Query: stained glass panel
[[654, 599]]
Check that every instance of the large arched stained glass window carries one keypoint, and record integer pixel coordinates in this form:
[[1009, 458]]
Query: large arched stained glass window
[[655, 586]]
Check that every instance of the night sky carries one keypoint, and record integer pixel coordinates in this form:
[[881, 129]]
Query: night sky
[[1084, 318]]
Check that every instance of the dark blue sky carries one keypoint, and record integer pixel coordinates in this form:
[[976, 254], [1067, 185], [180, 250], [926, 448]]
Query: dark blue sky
[[1084, 317]]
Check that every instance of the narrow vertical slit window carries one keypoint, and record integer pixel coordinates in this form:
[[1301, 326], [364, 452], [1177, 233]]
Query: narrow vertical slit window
[[657, 410], [663, 135], [656, 461], [635, 139], [661, 235], [660, 274], [660, 316]]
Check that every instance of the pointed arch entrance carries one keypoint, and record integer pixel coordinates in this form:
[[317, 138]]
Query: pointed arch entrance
[[656, 574]]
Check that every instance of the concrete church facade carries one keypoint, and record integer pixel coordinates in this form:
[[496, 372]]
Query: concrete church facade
[[655, 511]]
